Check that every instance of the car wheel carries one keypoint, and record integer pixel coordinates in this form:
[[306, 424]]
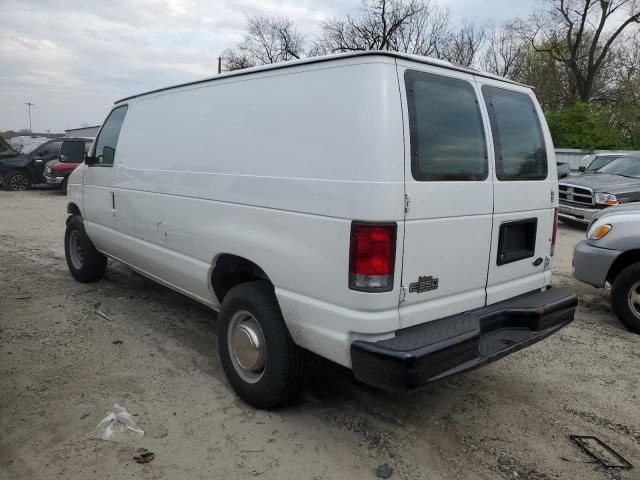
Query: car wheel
[[625, 297], [263, 365], [16, 180], [86, 264], [64, 185]]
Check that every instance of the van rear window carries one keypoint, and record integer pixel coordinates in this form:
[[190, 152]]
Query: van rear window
[[447, 136], [517, 136]]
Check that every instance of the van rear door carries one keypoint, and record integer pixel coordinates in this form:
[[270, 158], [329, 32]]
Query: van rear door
[[525, 185], [449, 188]]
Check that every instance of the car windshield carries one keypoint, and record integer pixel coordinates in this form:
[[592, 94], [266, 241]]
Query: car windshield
[[600, 162], [624, 166], [31, 148]]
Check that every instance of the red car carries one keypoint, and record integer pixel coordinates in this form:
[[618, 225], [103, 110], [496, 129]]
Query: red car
[[71, 155]]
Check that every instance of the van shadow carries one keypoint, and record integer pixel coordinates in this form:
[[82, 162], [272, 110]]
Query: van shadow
[[331, 392]]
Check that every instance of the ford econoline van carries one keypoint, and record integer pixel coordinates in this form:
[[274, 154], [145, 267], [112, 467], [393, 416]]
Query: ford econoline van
[[392, 213]]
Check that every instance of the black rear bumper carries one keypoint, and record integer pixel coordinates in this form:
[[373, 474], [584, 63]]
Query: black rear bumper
[[434, 350]]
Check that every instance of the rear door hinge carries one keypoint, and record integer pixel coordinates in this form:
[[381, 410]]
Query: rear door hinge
[[404, 291], [553, 196], [407, 203]]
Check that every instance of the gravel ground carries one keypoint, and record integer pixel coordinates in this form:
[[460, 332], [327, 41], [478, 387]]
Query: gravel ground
[[63, 365]]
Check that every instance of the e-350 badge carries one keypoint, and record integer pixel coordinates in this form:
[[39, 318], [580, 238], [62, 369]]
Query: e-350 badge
[[424, 284]]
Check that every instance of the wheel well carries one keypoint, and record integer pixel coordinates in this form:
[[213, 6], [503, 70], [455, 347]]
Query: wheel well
[[72, 209], [21, 170], [622, 262], [232, 270]]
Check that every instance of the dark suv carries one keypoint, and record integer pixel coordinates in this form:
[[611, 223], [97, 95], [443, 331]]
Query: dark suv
[[21, 171]]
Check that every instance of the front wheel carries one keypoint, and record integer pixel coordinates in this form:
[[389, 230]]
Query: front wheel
[[64, 185], [16, 180], [85, 263], [625, 297], [263, 365]]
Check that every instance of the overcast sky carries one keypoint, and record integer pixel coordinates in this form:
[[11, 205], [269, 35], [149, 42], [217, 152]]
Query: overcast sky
[[74, 58]]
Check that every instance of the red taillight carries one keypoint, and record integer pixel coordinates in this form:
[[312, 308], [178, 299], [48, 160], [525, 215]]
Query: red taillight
[[555, 231], [372, 257]]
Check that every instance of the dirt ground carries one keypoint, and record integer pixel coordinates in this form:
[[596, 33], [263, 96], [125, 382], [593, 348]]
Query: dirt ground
[[63, 366]]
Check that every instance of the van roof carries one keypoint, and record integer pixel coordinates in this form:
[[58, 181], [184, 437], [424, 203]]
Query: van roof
[[325, 58]]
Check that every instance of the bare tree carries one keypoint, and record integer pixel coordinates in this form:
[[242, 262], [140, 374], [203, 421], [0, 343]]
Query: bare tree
[[580, 34], [504, 51], [426, 33], [465, 44], [268, 40], [412, 26], [235, 59]]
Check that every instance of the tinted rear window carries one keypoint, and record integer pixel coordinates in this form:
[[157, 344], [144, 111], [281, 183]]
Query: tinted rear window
[[517, 136], [447, 136]]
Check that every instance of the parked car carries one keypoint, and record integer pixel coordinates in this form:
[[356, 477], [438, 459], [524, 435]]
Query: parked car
[[22, 171], [595, 162], [564, 170], [356, 206], [71, 155], [611, 255], [612, 184]]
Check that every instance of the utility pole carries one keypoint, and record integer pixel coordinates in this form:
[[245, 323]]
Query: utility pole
[[219, 65], [29, 105]]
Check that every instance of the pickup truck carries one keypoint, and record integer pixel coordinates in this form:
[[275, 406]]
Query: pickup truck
[[611, 255], [615, 183]]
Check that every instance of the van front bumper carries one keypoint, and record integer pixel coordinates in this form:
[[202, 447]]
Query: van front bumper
[[435, 350]]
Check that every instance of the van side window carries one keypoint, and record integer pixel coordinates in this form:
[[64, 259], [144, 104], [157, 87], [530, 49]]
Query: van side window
[[447, 135], [108, 139], [519, 145]]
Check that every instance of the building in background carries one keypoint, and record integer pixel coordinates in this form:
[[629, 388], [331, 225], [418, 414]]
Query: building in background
[[83, 132]]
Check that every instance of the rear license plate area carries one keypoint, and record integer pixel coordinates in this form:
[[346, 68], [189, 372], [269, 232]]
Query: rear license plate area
[[517, 240]]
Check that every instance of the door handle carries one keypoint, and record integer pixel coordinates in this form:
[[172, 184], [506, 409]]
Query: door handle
[[113, 201]]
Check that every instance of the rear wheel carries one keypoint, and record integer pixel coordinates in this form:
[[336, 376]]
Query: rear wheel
[[85, 263], [263, 365], [625, 297], [16, 180]]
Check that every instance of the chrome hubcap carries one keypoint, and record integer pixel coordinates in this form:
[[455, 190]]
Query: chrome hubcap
[[18, 182], [75, 250], [634, 299], [248, 349]]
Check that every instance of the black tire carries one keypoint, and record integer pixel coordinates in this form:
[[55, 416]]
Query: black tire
[[63, 187], [624, 286], [281, 379], [17, 180], [87, 264]]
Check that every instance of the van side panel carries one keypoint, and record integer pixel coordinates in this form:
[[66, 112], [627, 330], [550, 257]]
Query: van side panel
[[272, 167]]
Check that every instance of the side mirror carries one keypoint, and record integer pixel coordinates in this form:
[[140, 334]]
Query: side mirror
[[582, 169]]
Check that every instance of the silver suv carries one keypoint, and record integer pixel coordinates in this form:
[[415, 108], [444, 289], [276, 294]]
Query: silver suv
[[611, 254]]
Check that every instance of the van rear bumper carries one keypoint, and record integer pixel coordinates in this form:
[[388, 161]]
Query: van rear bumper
[[435, 350]]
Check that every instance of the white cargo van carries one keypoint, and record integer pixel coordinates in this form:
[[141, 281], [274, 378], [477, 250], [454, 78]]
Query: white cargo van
[[392, 213]]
